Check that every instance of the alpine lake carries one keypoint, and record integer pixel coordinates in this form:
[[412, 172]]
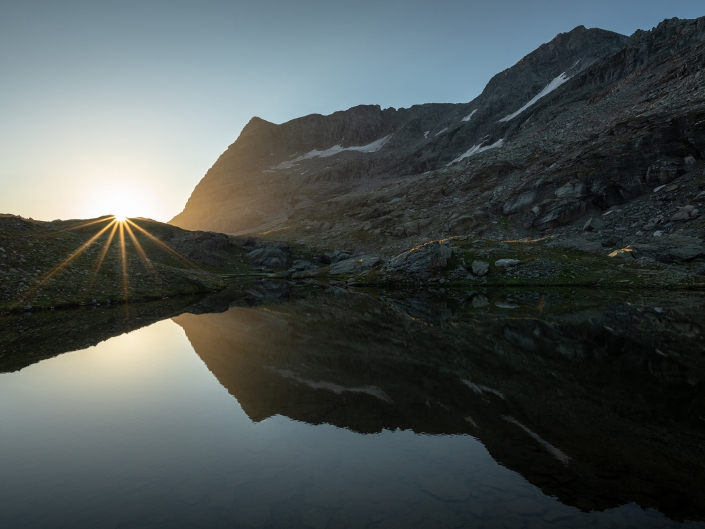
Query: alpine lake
[[300, 405]]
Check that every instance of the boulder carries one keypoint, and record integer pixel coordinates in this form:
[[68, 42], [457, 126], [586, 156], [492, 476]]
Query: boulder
[[271, 256], [465, 223], [480, 268], [506, 263], [664, 171], [559, 213], [595, 223], [572, 191], [348, 266], [685, 213], [355, 265], [462, 224], [420, 262], [519, 203], [411, 228]]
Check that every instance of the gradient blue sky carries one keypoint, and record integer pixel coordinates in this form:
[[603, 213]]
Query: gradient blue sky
[[107, 102]]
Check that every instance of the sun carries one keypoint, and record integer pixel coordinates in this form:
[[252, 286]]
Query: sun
[[121, 198]]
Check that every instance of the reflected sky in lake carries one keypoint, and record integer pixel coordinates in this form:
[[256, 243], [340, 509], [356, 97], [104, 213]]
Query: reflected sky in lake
[[143, 430]]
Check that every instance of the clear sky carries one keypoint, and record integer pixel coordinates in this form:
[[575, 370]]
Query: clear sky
[[103, 103]]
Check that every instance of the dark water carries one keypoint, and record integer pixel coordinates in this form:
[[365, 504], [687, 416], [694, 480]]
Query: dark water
[[368, 409]]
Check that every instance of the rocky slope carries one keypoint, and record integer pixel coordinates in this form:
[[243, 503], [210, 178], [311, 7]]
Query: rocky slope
[[612, 152], [60, 263], [272, 170]]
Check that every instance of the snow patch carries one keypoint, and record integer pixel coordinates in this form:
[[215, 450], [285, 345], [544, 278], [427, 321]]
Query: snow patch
[[475, 149], [469, 116], [441, 131], [370, 147], [550, 87], [425, 134]]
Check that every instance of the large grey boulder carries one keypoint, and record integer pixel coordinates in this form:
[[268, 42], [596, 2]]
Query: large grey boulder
[[506, 263], [419, 262], [480, 268]]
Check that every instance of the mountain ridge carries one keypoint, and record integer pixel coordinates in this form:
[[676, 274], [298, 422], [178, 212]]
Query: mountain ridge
[[563, 115]]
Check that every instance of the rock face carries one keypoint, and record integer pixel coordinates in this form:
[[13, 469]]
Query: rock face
[[583, 126], [419, 262]]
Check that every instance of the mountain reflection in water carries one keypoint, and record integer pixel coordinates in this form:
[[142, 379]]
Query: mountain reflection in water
[[591, 408]]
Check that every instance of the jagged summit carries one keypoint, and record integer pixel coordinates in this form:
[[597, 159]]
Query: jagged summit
[[591, 108]]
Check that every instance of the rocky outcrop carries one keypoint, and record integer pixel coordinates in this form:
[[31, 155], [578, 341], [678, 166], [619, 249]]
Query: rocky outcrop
[[419, 262]]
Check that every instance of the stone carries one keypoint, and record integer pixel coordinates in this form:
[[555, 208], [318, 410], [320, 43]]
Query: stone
[[506, 263], [480, 301], [462, 224], [519, 203], [348, 266], [560, 213], [420, 262], [664, 171], [411, 228], [685, 213], [271, 256], [594, 224], [480, 268], [571, 191], [369, 261], [355, 265]]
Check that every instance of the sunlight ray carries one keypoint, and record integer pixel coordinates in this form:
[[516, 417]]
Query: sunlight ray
[[98, 221], [161, 243], [70, 258], [63, 264], [98, 265], [141, 252], [123, 254]]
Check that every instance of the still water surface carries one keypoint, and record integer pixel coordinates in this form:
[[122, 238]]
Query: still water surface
[[331, 412]]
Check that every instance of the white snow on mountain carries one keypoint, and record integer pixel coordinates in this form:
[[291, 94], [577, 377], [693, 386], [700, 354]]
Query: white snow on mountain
[[370, 147], [425, 134], [550, 87], [469, 116], [441, 131], [476, 149]]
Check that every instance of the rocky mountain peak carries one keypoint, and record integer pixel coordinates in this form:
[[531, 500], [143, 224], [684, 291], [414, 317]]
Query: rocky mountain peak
[[588, 121]]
